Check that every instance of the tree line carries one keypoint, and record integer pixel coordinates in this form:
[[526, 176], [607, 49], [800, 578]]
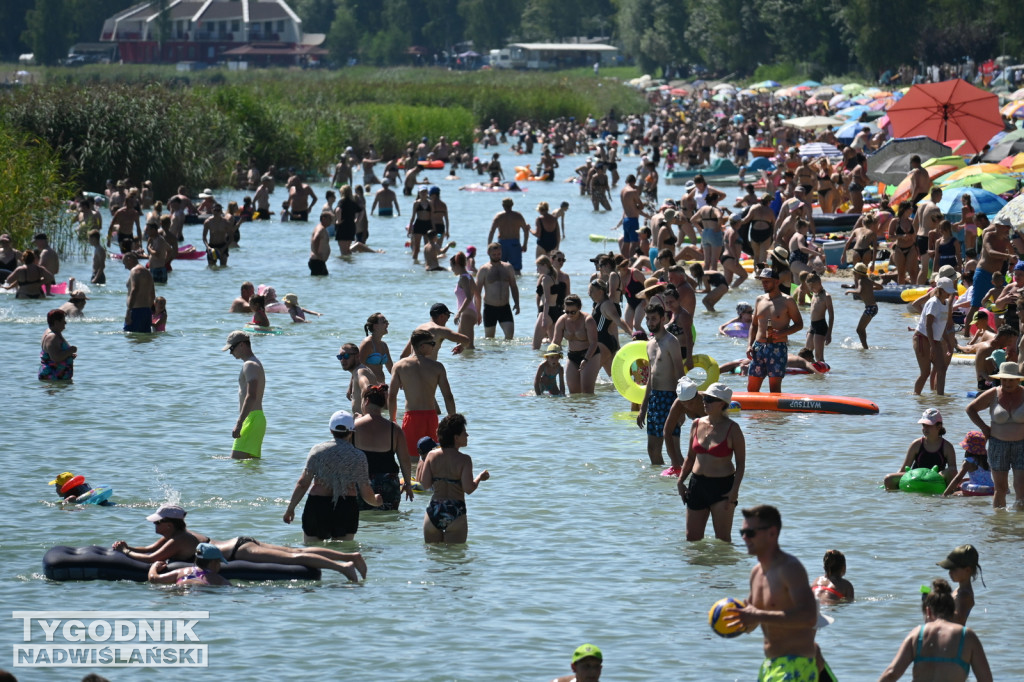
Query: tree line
[[817, 37]]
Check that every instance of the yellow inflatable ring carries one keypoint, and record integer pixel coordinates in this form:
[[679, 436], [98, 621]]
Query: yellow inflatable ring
[[710, 367], [629, 368]]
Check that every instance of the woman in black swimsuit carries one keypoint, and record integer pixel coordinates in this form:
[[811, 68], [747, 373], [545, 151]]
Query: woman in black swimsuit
[[546, 299], [904, 252], [29, 278], [9, 258], [826, 195], [383, 441], [607, 317], [633, 281], [421, 221]]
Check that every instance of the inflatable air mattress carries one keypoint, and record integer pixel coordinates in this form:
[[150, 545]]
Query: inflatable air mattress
[[798, 402], [103, 563]]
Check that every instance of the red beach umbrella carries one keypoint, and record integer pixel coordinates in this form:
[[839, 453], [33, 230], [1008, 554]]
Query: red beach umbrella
[[948, 110]]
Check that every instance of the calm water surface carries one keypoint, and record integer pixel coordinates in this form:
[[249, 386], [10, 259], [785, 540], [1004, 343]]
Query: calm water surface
[[575, 537]]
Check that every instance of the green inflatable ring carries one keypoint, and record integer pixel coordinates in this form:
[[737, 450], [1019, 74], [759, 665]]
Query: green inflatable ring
[[710, 367]]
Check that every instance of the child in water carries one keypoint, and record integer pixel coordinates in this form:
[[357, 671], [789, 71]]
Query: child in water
[[744, 316], [975, 476], [833, 587], [297, 312], [99, 258], [285, 213], [962, 564], [73, 492], [159, 314], [433, 250], [259, 311], [864, 287], [823, 317], [550, 376]]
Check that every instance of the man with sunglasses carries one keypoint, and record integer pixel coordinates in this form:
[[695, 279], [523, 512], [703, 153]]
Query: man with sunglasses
[[776, 317], [251, 425], [419, 376], [780, 601], [362, 376]]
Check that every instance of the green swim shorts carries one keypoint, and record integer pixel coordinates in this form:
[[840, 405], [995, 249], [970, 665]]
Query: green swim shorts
[[250, 441], [788, 669]]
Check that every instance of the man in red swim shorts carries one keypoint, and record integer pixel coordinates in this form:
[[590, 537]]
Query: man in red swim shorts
[[419, 376]]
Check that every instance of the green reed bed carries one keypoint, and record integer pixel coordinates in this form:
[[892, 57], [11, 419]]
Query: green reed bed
[[35, 190], [151, 122]]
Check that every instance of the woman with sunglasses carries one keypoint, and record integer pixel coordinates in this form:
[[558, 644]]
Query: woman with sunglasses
[[580, 330], [716, 460]]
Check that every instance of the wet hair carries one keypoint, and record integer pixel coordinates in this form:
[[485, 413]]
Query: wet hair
[[376, 395], [450, 427], [806, 354], [372, 320], [572, 300], [834, 562], [55, 315], [258, 301], [939, 599], [765, 513]]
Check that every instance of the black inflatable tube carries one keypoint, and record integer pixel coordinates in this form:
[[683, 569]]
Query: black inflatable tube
[[64, 563]]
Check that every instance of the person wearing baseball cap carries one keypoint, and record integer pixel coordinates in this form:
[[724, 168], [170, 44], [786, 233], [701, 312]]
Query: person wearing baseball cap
[[205, 570], [586, 664], [338, 473], [439, 316], [776, 317], [251, 425], [176, 542], [929, 451], [928, 339], [962, 564]]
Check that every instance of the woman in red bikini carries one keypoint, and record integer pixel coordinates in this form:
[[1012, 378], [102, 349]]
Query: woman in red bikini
[[715, 441], [833, 587]]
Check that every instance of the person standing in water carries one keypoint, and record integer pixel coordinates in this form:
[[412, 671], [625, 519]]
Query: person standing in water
[[776, 317], [251, 425], [449, 472]]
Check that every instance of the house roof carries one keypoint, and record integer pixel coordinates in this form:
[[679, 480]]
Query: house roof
[[567, 47]]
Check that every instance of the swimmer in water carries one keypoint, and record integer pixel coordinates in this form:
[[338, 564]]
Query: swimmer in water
[[744, 313], [297, 312], [833, 586], [72, 494]]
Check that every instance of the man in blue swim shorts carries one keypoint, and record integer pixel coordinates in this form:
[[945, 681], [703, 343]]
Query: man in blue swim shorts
[[666, 366], [775, 318], [632, 209], [507, 224], [141, 295], [780, 601], [995, 251]]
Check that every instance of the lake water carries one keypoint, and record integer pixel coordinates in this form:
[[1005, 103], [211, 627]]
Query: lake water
[[574, 539]]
